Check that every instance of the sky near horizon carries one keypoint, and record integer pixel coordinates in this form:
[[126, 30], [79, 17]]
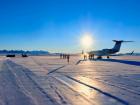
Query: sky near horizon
[[58, 25]]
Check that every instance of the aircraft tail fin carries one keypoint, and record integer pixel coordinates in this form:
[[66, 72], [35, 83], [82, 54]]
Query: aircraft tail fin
[[118, 44]]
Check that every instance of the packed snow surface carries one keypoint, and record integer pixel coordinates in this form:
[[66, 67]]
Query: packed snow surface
[[49, 80]]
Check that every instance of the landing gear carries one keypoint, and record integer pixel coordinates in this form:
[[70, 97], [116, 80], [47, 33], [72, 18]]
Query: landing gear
[[108, 57], [99, 57]]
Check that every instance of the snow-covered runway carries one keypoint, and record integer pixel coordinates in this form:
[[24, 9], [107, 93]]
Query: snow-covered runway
[[48, 80]]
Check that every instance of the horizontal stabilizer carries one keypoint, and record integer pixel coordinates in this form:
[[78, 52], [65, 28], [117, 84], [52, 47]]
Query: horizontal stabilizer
[[121, 41]]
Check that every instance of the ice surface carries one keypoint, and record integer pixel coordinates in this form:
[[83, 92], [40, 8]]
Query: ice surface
[[49, 80]]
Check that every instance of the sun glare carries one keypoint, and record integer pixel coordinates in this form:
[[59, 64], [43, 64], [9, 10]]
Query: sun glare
[[87, 41]]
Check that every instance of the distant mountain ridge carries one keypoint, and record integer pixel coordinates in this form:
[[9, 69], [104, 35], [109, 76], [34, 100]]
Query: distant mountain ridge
[[34, 52]]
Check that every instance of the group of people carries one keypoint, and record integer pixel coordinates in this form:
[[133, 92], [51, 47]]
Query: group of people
[[65, 56], [90, 57]]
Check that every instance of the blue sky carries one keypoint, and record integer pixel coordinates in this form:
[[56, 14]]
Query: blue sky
[[57, 25]]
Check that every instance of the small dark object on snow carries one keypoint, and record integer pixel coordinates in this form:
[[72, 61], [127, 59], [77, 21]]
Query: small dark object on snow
[[24, 55], [10, 55]]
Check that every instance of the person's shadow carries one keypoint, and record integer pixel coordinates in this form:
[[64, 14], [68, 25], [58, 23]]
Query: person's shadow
[[136, 63]]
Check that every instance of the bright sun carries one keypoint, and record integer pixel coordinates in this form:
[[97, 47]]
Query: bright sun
[[87, 41]]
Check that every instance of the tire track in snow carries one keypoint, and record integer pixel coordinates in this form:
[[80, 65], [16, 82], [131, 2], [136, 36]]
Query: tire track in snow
[[10, 63], [100, 91], [71, 88], [123, 87], [27, 93]]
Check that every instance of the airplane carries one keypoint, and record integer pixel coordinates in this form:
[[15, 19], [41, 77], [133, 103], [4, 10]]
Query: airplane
[[132, 53], [108, 52]]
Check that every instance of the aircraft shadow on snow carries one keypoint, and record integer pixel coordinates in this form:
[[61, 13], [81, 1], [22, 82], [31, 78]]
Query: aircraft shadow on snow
[[136, 63]]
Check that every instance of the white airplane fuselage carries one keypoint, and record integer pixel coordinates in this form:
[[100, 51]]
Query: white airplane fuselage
[[107, 52]]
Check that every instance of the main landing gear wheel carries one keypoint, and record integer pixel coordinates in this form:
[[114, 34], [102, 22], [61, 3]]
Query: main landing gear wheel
[[99, 57], [108, 57]]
